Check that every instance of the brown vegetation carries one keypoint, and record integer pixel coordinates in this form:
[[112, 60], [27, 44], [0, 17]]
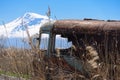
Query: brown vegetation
[[22, 61]]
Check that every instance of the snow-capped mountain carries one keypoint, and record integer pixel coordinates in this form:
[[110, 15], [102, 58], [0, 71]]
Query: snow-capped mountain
[[17, 28], [15, 32]]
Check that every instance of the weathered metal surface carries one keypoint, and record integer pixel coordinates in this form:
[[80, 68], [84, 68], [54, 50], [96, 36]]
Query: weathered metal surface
[[47, 27], [85, 26], [102, 36]]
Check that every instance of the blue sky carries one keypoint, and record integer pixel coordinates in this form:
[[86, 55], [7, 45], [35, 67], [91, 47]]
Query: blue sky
[[62, 9]]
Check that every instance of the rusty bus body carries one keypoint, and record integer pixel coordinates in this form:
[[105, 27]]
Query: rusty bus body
[[89, 36]]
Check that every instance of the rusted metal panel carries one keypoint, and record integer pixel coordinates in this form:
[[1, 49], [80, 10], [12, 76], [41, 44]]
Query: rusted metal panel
[[85, 26]]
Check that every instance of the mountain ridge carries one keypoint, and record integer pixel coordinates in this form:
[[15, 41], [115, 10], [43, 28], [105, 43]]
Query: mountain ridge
[[15, 32], [18, 26]]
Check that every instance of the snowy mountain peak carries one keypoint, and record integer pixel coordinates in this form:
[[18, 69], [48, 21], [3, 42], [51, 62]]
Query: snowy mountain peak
[[29, 20], [15, 32], [30, 15], [17, 27]]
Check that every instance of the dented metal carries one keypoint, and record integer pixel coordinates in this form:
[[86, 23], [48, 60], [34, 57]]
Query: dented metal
[[103, 37]]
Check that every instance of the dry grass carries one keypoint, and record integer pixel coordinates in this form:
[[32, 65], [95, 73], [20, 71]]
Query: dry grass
[[20, 62], [16, 61], [26, 63]]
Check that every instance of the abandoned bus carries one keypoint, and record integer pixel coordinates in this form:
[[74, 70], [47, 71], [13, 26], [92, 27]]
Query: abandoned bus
[[94, 51]]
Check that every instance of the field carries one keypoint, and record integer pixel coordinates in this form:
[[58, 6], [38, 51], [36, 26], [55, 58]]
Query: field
[[16, 62], [24, 65], [31, 64]]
